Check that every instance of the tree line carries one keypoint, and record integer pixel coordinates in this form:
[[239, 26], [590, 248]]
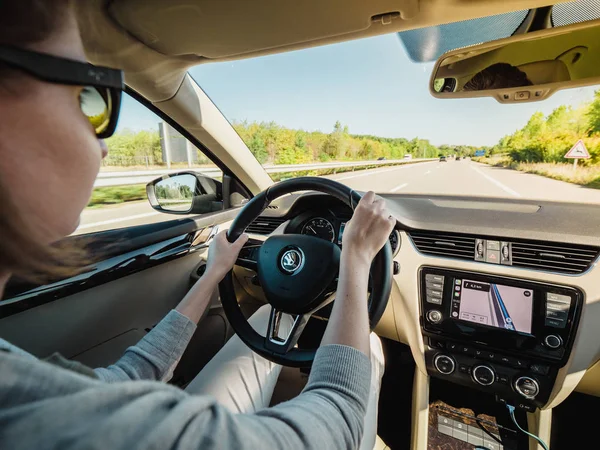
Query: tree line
[[272, 143], [549, 138]]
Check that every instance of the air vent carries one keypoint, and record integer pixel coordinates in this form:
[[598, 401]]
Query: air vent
[[567, 258], [444, 244], [264, 225]]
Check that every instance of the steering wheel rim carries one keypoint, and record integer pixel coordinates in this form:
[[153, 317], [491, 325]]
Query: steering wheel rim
[[286, 354]]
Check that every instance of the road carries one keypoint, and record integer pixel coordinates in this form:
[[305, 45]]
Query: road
[[450, 178]]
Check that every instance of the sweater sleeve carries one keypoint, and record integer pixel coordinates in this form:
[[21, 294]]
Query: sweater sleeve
[[71, 411], [156, 355]]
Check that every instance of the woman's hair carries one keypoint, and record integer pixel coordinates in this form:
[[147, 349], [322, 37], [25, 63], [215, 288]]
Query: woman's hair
[[24, 22]]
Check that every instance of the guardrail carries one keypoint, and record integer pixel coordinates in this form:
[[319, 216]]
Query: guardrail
[[145, 176]]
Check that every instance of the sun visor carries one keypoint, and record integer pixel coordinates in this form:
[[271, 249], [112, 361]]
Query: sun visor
[[222, 29]]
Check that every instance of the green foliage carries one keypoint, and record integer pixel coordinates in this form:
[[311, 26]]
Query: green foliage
[[274, 144], [117, 194], [593, 114], [548, 139], [127, 148]]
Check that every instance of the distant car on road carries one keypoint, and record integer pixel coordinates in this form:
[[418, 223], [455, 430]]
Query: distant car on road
[[381, 158], [443, 159], [458, 158], [408, 156]]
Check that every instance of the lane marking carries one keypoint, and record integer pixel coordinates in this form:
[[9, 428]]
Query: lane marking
[[428, 172], [377, 171], [397, 188], [119, 219], [496, 182]]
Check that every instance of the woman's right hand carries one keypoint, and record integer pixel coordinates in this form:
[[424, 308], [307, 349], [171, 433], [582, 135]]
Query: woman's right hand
[[368, 230]]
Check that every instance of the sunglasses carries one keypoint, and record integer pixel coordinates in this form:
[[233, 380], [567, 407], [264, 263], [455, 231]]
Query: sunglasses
[[100, 98]]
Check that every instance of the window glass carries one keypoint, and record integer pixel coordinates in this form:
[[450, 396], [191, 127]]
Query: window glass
[[143, 148]]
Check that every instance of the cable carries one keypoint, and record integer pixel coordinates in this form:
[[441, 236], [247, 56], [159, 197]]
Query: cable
[[511, 410]]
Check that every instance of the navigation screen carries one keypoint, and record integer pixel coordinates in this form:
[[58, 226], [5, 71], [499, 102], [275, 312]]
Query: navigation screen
[[494, 305]]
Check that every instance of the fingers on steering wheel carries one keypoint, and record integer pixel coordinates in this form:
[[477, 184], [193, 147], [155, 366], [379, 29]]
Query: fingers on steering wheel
[[369, 197]]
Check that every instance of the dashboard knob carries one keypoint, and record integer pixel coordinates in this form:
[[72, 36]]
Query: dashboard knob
[[527, 387], [553, 341], [434, 316], [444, 364], [484, 375]]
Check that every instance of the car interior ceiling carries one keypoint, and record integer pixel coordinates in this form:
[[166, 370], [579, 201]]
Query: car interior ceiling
[[441, 373]]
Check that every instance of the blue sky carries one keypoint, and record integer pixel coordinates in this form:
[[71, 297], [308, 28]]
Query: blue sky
[[369, 85]]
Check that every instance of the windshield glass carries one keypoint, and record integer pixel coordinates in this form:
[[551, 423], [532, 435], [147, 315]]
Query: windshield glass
[[366, 100]]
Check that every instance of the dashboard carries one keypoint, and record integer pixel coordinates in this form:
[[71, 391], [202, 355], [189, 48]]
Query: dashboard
[[329, 224], [501, 296]]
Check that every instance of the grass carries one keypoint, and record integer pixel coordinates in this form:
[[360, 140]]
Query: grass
[[588, 176], [112, 195]]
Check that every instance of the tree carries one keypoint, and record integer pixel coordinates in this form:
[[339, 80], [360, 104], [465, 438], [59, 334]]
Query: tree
[[593, 115]]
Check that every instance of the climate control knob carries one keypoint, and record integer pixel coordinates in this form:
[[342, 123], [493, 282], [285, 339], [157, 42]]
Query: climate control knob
[[484, 375], [434, 316], [527, 387], [444, 364]]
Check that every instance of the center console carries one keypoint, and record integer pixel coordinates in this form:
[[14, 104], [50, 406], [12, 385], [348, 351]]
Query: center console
[[505, 336]]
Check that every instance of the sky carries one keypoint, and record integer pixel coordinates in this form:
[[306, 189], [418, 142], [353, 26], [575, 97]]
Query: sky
[[370, 85]]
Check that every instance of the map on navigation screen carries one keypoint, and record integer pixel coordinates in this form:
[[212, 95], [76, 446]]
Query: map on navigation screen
[[494, 305]]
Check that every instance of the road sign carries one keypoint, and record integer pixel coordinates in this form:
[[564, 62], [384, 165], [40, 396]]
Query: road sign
[[578, 151], [479, 152]]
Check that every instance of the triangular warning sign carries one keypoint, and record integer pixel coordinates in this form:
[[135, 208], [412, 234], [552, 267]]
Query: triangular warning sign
[[578, 151]]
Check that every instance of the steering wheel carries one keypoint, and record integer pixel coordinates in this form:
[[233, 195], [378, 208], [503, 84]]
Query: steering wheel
[[298, 274]]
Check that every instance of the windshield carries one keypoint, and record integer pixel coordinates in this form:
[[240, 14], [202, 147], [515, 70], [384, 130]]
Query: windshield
[[366, 101]]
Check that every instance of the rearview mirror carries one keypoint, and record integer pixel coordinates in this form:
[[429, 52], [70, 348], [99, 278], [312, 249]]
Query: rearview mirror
[[185, 193], [522, 68]]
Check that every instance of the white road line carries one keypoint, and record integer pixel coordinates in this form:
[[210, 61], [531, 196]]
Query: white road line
[[428, 172], [120, 219], [496, 182], [376, 172], [397, 188]]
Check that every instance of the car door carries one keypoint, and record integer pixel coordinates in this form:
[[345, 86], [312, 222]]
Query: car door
[[143, 261]]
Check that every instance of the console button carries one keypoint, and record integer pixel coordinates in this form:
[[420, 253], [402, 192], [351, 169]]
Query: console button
[[434, 316], [556, 323], [502, 378], [434, 278], [521, 363], [463, 368], [452, 346], [484, 375], [509, 361], [434, 285], [433, 293], [540, 369], [434, 300], [444, 364], [553, 341], [465, 350], [527, 387]]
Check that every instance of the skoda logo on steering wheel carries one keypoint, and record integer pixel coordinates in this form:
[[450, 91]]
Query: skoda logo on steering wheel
[[292, 260]]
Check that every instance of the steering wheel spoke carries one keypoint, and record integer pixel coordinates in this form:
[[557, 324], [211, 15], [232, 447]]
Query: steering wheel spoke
[[278, 339], [248, 256]]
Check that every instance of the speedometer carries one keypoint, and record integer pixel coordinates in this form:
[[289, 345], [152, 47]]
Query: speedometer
[[320, 228]]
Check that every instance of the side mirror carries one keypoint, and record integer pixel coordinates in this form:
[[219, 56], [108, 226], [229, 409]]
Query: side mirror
[[185, 193]]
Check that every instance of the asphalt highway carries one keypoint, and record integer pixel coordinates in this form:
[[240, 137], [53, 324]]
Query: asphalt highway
[[450, 178]]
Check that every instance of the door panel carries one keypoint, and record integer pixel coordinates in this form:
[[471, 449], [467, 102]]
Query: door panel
[[95, 316]]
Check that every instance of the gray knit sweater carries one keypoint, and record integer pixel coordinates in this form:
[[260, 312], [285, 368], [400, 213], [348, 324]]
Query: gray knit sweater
[[43, 406]]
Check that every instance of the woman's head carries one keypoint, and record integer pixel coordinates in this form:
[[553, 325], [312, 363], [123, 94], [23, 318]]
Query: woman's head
[[49, 152]]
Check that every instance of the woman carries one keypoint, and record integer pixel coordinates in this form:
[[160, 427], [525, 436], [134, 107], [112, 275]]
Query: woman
[[53, 113]]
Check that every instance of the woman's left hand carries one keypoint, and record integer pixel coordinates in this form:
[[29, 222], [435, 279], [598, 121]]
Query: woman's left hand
[[222, 254]]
